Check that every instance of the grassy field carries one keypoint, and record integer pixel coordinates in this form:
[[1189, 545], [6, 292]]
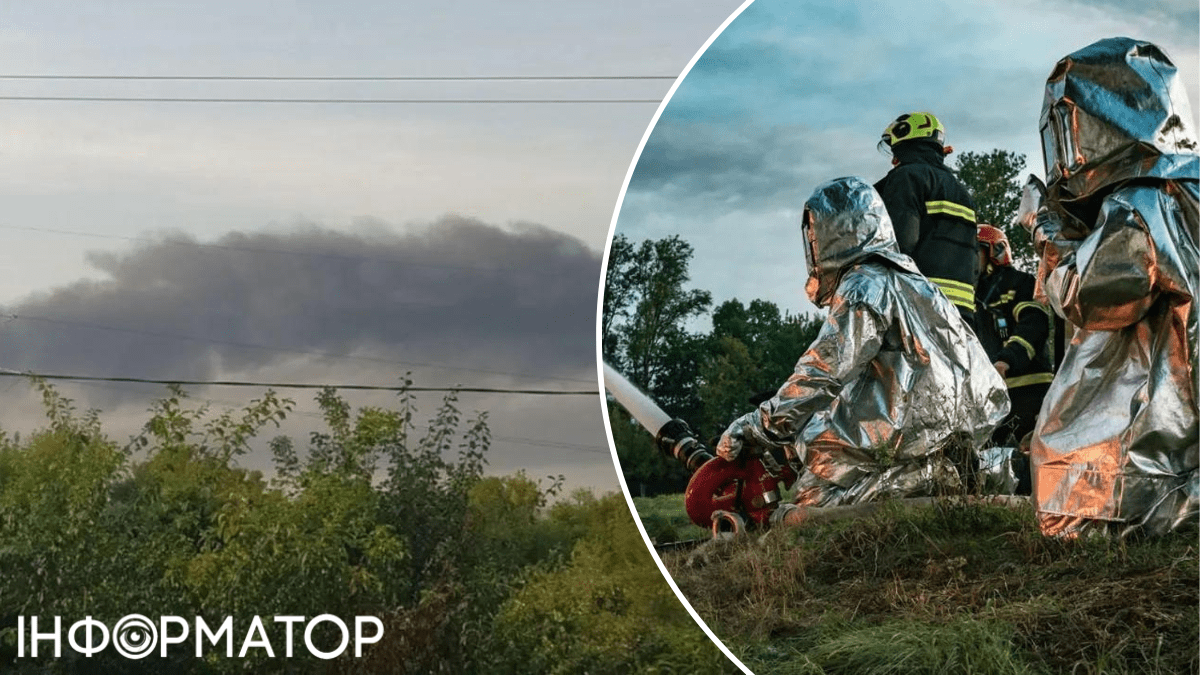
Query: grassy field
[[956, 588], [665, 519]]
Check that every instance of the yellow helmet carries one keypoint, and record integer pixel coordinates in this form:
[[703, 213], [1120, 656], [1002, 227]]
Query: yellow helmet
[[912, 126]]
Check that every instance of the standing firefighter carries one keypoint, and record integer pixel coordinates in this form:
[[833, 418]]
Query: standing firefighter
[[1115, 449], [895, 387], [931, 210], [1015, 331]]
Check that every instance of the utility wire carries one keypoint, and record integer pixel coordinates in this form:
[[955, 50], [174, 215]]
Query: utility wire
[[306, 352], [341, 78], [335, 78], [305, 385], [533, 442], [372, 101], [582, 447]]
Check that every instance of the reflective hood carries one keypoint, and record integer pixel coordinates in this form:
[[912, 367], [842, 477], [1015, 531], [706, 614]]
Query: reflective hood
[[1033, 198], [845, 222], [1113, 111]]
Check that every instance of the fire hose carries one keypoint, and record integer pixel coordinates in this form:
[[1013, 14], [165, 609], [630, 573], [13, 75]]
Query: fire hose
[[748, 488]]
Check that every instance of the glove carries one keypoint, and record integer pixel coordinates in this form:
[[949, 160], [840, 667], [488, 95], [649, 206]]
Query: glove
[[677, 440], [734, 439]]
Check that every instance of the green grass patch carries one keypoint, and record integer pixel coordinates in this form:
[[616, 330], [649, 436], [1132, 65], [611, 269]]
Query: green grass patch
[[964, 645], [953, 588], [666, 520]]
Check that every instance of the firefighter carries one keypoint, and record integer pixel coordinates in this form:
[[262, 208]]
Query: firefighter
[[931, 210], [1117, 444], [1015, 331], [895, 392]]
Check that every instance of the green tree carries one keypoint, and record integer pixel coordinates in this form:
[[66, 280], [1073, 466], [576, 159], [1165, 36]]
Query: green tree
[[87, 530], [504, 525], [646, 306], [619, 280], [774, 340], [424, 496], [994, 180], [645, 469], [679, 373], [729, 377], [752, 349]]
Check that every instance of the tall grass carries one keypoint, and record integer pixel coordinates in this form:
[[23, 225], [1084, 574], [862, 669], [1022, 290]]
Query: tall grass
[[953, 588]]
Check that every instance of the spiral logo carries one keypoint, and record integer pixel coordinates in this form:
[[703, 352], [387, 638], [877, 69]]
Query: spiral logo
[[134, 636]]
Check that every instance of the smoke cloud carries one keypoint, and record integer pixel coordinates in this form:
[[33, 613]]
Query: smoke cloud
[[458, 292]]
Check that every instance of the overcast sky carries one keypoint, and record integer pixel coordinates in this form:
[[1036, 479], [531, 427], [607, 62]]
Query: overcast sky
[[796, 92], [334, 242]]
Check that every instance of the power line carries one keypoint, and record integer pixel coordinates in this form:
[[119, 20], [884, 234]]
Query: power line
[[306, 352], [372, 101], [343, 78], [534, 442], [583, 447], [306, 385]]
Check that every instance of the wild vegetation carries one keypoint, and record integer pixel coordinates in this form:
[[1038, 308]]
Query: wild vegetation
[[468, 573], [956, 588]]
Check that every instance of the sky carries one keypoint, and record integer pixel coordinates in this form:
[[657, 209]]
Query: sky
[[331, 243], [797, 92]]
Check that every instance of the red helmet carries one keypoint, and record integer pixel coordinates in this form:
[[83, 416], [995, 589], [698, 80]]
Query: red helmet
[[999, 252]]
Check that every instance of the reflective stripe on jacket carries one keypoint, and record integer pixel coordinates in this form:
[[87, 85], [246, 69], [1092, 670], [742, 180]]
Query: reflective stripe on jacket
[[934, 218], [1013, 327]]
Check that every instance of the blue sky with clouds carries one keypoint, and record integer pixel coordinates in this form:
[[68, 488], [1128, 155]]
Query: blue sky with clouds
[[795, 92]]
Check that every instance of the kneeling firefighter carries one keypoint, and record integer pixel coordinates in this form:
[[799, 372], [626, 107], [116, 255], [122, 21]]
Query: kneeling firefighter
[[896, 393], [1117, 445]]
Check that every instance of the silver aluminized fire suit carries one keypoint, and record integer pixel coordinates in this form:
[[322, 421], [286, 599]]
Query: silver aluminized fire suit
[[1115, 448], [894, 385]]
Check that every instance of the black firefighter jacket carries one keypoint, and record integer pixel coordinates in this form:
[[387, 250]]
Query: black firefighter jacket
[[1013, 327], [934, 218]]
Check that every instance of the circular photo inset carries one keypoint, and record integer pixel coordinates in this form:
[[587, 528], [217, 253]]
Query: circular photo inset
[[862, 346]]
